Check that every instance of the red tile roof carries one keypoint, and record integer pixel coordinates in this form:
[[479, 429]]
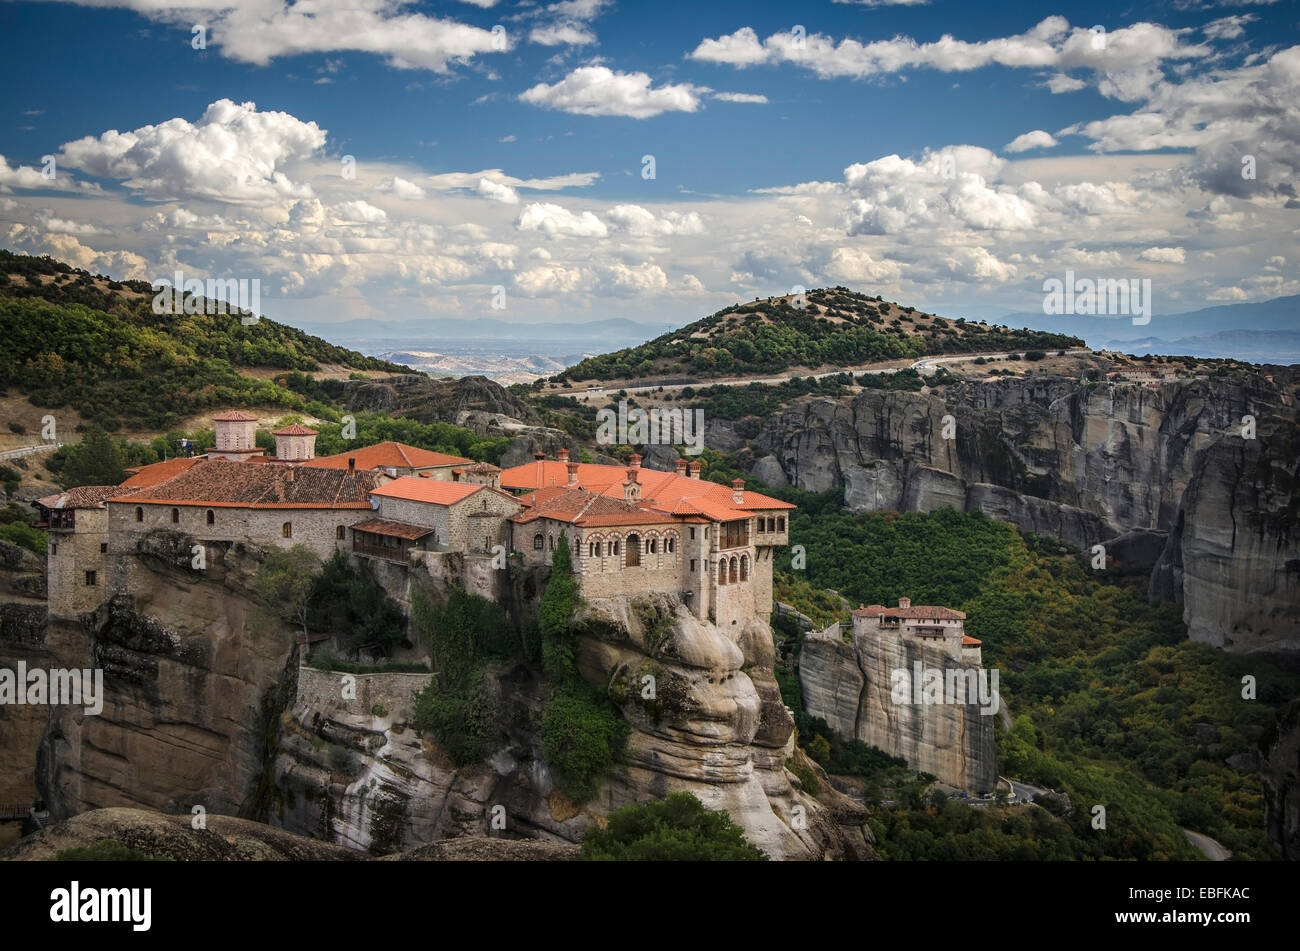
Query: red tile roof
[[234, 416], [388, 455], [384, 526], [83, 497], [666, 492], [579, 507], [297, 429], [159, 471], [223, 483], [968, 641], [435, 491]]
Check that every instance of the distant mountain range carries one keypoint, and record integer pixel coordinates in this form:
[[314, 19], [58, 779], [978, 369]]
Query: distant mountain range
[[1264, 332], [444, 335]]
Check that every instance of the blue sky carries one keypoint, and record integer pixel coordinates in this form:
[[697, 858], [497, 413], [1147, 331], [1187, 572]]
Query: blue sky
[[793, 144]]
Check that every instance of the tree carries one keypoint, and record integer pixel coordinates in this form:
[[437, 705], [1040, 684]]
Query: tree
[[675, 829], [93, 461], [555, 613], [286, 581]]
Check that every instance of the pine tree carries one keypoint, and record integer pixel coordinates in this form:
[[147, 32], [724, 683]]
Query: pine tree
[[93, 461]]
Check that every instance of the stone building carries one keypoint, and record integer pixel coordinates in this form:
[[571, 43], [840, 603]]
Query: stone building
[[635, 530], [396, 459], [236, 437], [295, 443], [939, 626], [464, 517], [77, 523]]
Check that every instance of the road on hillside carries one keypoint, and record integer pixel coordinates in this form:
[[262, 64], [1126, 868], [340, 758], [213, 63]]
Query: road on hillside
[[924, 366], [28, 450], [1211, 849]]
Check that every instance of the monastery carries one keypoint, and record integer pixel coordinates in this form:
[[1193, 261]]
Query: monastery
[[631, 531]]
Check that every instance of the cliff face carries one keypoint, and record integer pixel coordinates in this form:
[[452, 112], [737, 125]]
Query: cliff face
[[849, 685], [1279, 750], [1085, 463], [22, 638]]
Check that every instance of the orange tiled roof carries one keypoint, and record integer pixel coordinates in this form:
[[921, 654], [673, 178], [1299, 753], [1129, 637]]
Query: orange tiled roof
[[158, 472], [388, 455], [435, 491], [234, 416], [968, 641], [222, 483], [83, 497], [384, 526], [666, 492], [579, 507], [297, 429]]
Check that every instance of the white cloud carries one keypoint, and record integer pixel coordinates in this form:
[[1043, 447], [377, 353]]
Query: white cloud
[[561, 34], [359, 212], [556, 220], [470, 180], [755, 98], [1038, 139], [497, 191], [1164, 255], [1228, 28], [546, 279], [233, 153], [1059, 83], [638, 221], [401, 188], [599, 91]]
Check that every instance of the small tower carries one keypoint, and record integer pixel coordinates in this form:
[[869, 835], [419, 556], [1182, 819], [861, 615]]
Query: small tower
[[235, 434], [295, 443]]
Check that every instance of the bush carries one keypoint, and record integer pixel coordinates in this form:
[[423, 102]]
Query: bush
[[24, 536], [17, 427], [582, 736], [675, 829]]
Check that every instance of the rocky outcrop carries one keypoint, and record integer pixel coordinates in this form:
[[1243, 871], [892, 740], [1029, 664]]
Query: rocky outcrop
[[1084, 462], [428, 400], [22, 639], [1279, 751], [849, 684]]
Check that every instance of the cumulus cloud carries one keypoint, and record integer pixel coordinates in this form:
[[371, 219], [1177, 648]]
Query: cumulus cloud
[[497, 191], [402, 188], [599, 91], [359, 212], [233, 153], [638, 221], [561, 34], [1038, 139], [1164, 255], [556, 220], [470, 180]]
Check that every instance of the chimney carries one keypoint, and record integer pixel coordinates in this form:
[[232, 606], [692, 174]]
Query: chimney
[[635, 461], [562, 455], [288, 473], [695, 468], [681, 467], [904, 602], [573, 472], [738, 491], [352, 463]]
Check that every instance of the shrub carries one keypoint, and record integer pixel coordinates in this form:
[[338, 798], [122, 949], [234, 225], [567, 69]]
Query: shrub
[[582, 735], [675, 829]]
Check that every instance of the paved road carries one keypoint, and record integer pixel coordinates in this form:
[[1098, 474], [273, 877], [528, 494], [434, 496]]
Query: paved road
[[28, 450], [924, 366], [1023, 792], [1211, 849]]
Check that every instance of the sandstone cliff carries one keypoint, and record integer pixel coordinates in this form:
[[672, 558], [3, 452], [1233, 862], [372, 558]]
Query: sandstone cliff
[[1084, 462], [1279, 751], [848, 684]]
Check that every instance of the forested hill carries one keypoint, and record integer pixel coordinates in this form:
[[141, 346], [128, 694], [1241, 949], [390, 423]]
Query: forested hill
[[835, 327], [73, 339]]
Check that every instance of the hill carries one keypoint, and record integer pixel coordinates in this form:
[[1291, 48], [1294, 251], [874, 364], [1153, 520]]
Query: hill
[[835, 327], [87, 342]]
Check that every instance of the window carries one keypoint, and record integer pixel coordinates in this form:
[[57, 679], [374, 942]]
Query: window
[[654, 546], [212, 517], [591, 549], [762, 523], [722, 571], [54, 548], [286, 530], [692, 534], [744, 567], [692, 566], [90, 579], [176, 516], [733, 575], [771, 525], [780, 524], [633, 551], [103, 548], [485, 505], [613, 547], [538, 542], [671, 544], [139, 514], [550, 543]]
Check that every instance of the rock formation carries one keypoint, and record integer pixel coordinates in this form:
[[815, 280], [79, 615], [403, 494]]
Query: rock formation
[[1279, 751]]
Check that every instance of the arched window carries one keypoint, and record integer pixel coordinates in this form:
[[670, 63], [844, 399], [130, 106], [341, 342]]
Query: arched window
[[744, 567], [176, 516], [722, 571], [485, 505], [780, 524], [654, 546], [670, 544], [613, 547], [212, 517], [733, 575], [139, 514], [538, 542], [550, 543], [286, 530], [633, 551], [340, 533]]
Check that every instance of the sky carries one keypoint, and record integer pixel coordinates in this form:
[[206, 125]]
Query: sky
[[581, 160]]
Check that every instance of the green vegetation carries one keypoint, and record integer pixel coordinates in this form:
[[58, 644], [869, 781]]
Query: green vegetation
[[374, 428], [1113, 704], [675, 829], [285, 581], [347, 596], [107, 850], [24, 536], [118, 363], [555, 616], [837, 328]]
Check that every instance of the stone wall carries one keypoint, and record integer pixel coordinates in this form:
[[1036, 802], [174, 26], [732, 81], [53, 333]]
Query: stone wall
[[71, 555]]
